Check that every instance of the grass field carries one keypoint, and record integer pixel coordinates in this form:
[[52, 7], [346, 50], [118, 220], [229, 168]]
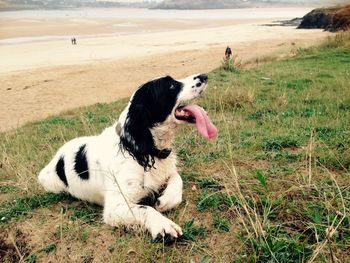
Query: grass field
[[274, 186]]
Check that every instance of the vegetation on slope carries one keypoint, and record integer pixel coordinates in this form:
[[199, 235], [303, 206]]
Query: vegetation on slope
[[227, 4], [64, 4], [201, 4], [274, 186]]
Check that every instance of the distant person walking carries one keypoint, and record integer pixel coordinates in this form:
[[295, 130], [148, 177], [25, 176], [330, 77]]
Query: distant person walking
[[73, 40], [228, 53]]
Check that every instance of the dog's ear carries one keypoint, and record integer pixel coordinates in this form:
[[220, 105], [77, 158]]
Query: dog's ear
[[136, 137], [145, 111]]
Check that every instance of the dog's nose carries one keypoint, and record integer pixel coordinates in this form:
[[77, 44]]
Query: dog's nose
[[203, 78]]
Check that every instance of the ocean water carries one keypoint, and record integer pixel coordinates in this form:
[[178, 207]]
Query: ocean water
[[129, 13], [132, 14]]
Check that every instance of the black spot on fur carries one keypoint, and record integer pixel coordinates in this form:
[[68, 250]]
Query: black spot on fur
[[60, 171], [162, 154], [202, 77], [167, 239], [81, 165], [150, 199], [151, 104]]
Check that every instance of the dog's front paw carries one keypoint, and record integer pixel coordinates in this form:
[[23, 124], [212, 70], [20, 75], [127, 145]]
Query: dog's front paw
[[164, 229], [167, 202]]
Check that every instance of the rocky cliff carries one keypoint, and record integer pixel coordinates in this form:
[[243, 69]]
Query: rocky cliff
[[330, 19]]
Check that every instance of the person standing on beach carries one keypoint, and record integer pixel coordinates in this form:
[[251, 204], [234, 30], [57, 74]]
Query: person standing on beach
[[228, 53]]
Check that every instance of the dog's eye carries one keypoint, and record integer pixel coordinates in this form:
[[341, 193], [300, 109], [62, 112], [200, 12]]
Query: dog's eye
[[172, 86]]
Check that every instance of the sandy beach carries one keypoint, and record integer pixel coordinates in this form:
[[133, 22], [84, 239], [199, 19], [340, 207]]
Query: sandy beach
[[42, 74]]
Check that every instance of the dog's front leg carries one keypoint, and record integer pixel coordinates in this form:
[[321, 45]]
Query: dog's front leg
[[172, 195], [118, 211]]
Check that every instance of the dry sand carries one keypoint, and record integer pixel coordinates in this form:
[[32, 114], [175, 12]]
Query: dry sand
[[42, 78]]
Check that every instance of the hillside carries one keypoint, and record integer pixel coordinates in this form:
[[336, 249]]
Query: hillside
[[52, 4], [64, 4], [331, 19], [273, 187], [201, 4], [223, 4]]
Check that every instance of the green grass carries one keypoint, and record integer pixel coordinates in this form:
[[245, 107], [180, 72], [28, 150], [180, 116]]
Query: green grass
[[191, 232], [21, 206], [273, 187], [221, 223]]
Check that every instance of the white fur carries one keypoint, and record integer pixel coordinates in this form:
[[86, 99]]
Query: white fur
[[116, 181]]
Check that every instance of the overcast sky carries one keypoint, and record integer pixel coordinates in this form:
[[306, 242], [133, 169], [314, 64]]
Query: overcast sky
[[305, 1], [162, 0], [131, 0]]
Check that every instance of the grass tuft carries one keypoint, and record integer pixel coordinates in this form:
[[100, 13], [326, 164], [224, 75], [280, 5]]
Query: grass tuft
[[190, 231]]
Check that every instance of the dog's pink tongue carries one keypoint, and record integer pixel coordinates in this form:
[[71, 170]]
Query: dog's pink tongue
[[204, 126]]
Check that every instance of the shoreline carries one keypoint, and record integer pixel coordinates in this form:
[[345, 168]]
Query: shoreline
[[28, 56]]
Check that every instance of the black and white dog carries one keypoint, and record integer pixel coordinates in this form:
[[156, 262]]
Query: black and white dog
[[130, 168]]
